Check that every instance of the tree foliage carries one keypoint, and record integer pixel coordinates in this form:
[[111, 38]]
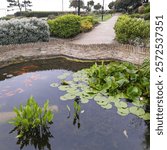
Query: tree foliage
[[90, 3], [97, 6], [127, 4], [111, 5], [74, 3], [19, 4]]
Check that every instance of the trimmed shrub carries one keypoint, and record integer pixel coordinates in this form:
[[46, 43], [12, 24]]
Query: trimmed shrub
[[17, 31], [147, 9], [145, 16], [65, 26], [86, 25], [7, 17], [90, 19], [130, 30], [40, 14], [141, 9]]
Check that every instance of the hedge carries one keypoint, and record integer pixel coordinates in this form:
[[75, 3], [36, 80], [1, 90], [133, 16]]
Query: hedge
[[17, 31], [130, 30], [40, 14], [65, 26]]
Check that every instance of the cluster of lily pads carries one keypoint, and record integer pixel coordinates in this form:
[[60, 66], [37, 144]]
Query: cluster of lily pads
[[79, 86]]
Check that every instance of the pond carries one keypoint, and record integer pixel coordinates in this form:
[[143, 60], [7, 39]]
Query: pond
[[99, 129]]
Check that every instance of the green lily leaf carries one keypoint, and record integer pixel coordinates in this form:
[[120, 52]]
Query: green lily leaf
[[108, 106], [63, 76], [146, 116], [136, 111], [54, 85], [120, 104], [123, 111], [63, 88], [102, 103], [84, 100], [100, 97]]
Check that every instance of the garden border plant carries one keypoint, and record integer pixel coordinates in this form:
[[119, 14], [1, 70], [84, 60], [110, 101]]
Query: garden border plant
[[132, 30], [18, 31]]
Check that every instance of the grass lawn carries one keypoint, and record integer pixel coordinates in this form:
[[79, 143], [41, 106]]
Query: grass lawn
[[99, 17]]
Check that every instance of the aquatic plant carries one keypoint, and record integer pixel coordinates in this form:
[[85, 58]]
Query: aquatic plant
[[32, 117], [77, 111], [124, 85]]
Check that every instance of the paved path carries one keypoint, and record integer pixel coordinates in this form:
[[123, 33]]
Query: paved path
[[102, 34]]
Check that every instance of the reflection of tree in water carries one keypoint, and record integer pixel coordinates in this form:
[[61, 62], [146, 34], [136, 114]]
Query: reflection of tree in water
[[37, 137]]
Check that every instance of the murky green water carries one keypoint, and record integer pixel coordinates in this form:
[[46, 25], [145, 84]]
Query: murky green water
[[100, 129]]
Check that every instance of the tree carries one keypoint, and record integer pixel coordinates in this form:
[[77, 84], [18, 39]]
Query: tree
[[86, 8], [125, 4], [145, 1], [111, 5], [90, 4], [97, 6], [74, 3], [20, 4]]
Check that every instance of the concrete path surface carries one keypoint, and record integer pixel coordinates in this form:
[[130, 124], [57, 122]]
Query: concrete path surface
[[102, 34]]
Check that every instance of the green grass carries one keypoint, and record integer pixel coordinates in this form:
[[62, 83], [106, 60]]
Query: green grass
[[99, 17]]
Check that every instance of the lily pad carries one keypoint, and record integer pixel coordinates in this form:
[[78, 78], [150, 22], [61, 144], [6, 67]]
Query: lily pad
[[138, 103], [84, 100], [54, 85], [120, 104], [100, 97], [108, 106], [146, 116], [137, 111], [63, 88], [113, 99], [63, 76], [123, 111], [67, 97], [102, 103]]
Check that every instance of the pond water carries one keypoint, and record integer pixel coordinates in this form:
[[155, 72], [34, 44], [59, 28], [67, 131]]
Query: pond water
[[99, 129]]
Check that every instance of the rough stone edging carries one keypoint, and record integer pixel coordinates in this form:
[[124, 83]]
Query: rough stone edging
[[14, 54]]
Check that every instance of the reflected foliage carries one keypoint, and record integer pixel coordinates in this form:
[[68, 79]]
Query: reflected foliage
[[32, 124], [37, 137]]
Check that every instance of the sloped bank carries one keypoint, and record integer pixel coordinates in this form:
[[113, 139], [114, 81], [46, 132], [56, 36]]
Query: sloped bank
[[13, 54]]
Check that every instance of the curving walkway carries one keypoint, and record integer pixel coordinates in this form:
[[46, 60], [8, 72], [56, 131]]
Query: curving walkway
[[102, 34]]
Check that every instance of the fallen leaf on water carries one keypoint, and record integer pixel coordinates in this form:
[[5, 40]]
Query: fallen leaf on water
[[125, 133]]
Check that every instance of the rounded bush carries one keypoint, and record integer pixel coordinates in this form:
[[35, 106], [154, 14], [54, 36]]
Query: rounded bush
[[86, 25], [128, 30], [65, 26], [141, 9], [17, 31]]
